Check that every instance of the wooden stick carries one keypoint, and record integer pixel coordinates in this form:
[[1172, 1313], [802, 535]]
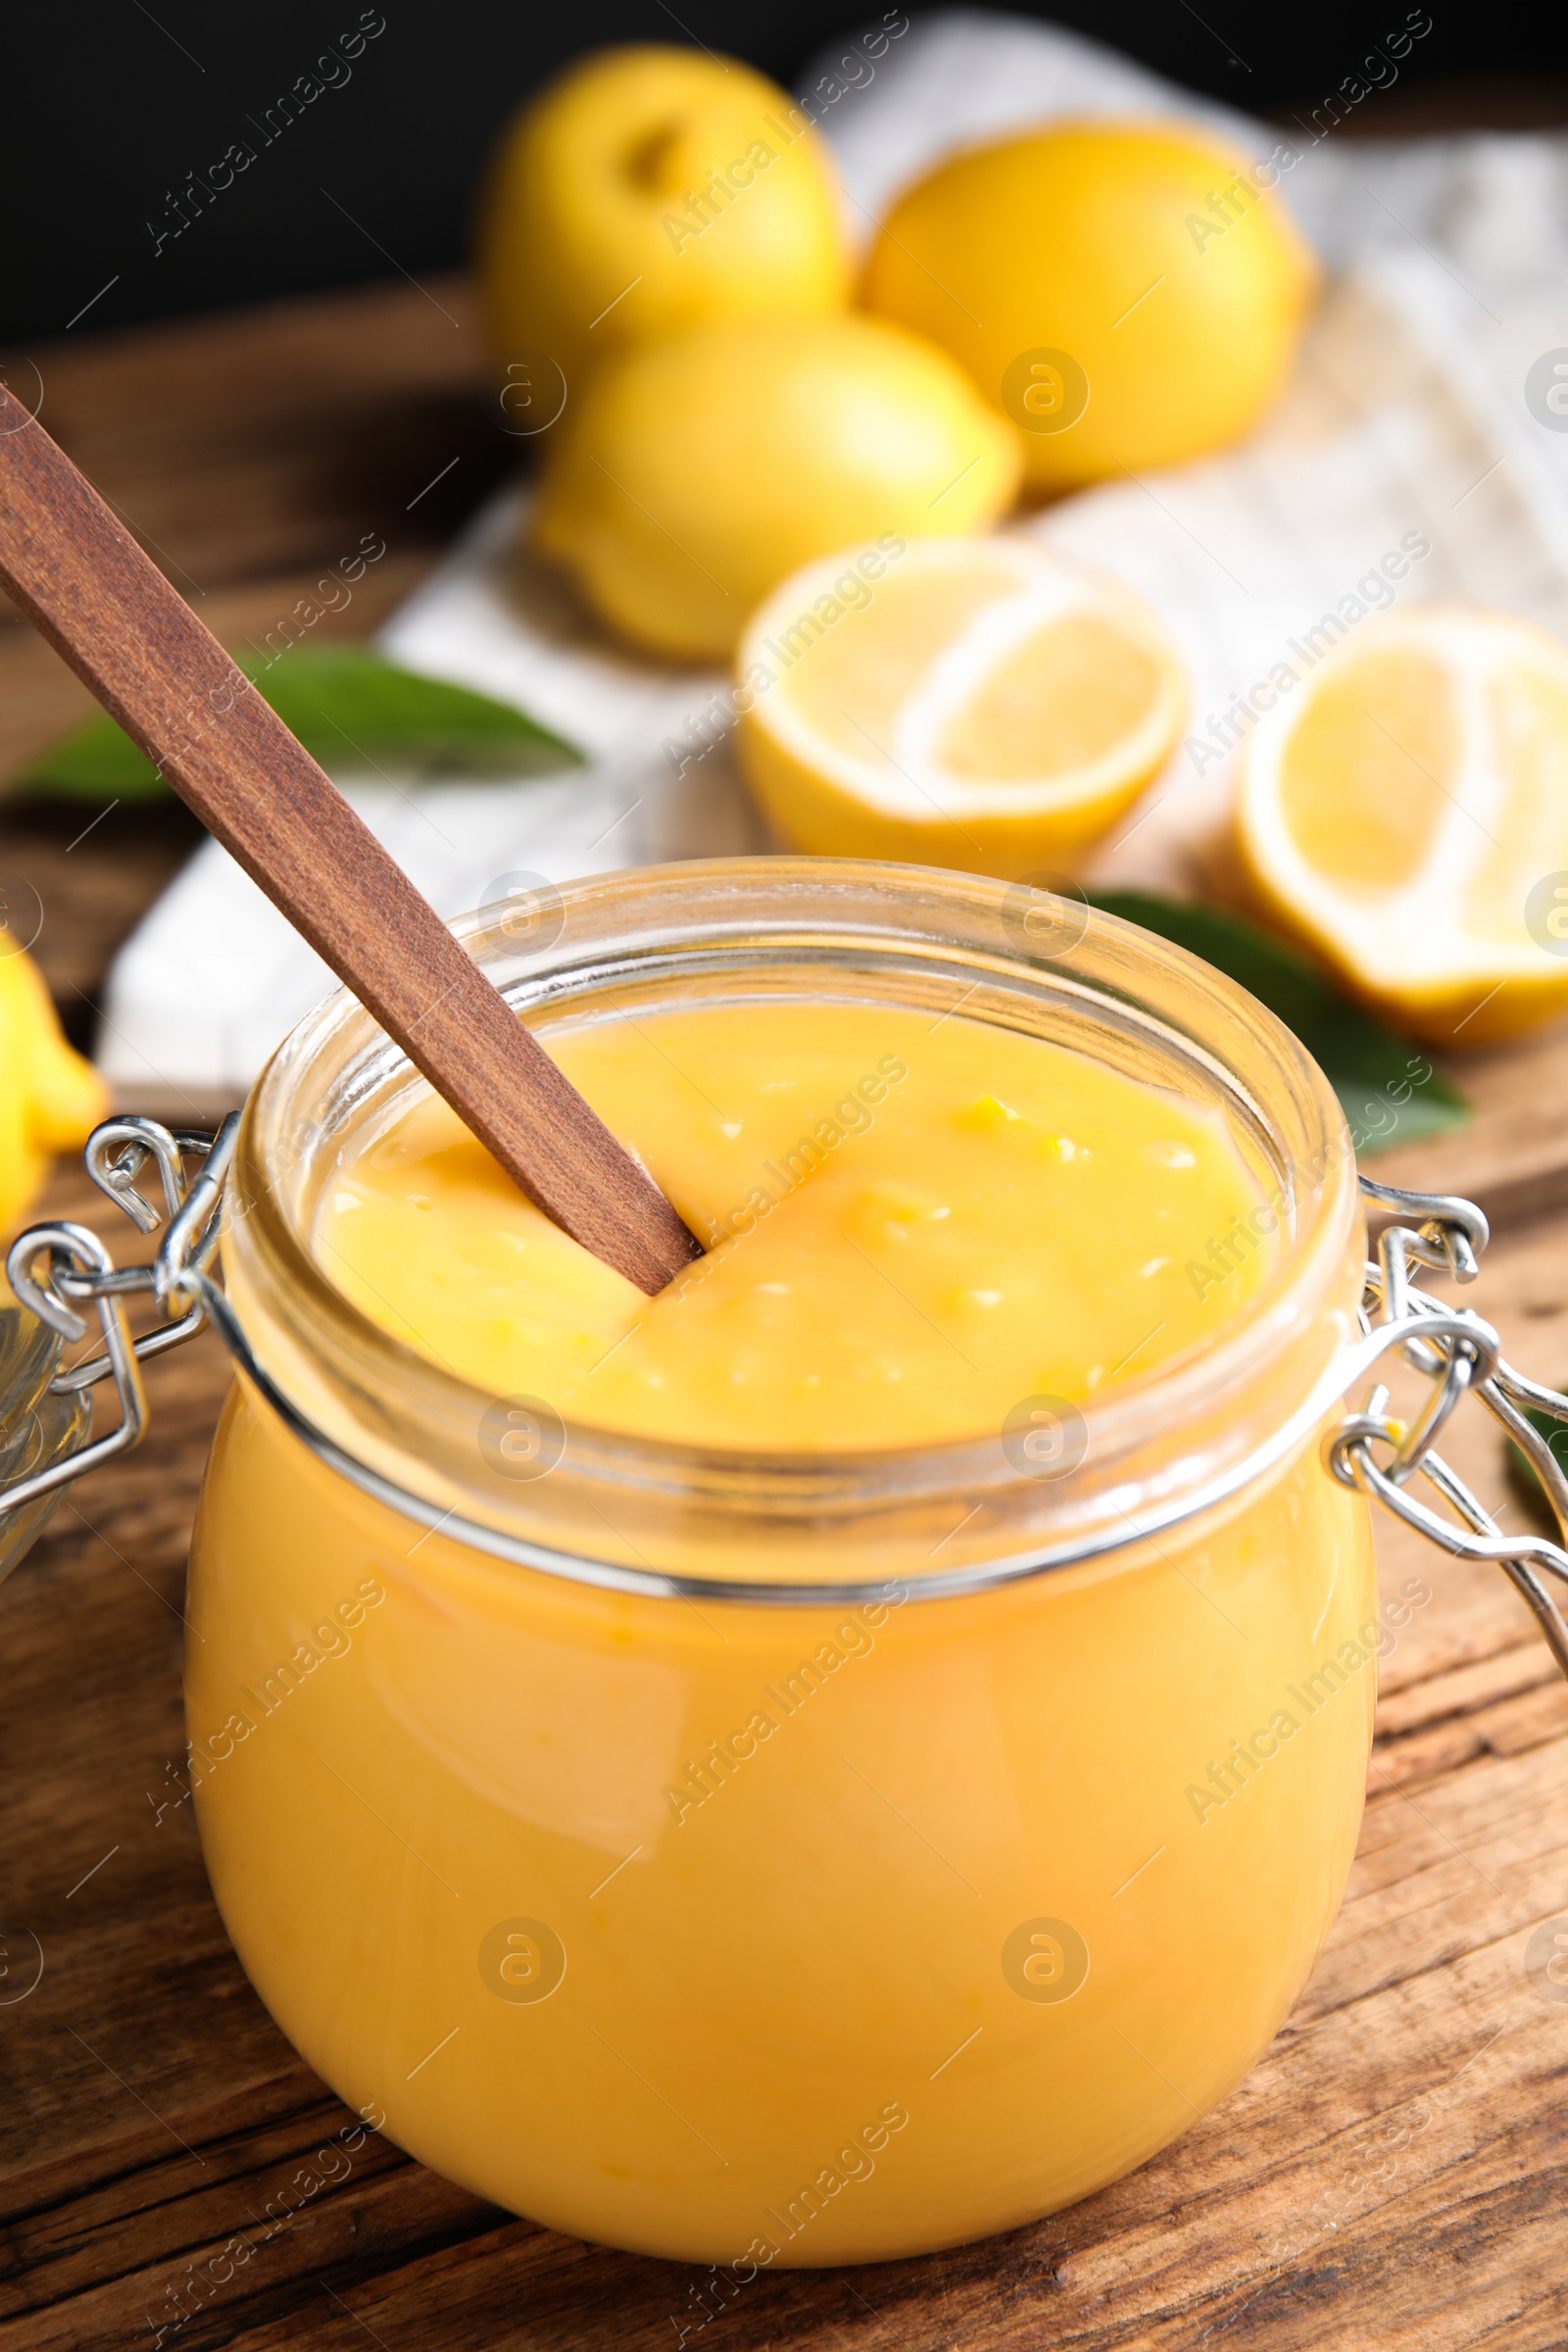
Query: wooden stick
[[83, 582]]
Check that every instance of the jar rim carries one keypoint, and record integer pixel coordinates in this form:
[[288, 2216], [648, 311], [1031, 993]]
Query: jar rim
[[403, 1417]]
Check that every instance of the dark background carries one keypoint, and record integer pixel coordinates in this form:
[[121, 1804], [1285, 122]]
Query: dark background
[[108, 107]]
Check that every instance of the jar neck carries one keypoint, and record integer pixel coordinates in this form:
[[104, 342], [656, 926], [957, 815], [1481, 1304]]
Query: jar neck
[[1200, 1426]]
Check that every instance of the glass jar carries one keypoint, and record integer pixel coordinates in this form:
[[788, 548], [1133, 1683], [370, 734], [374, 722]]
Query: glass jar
[[768, 1858], [39, 1426]]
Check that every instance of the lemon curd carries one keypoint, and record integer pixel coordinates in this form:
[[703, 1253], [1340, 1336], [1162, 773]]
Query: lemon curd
[[691, 1878], [914, 1225]]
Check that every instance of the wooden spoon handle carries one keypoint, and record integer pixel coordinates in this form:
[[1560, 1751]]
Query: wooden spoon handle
[[106, 607]]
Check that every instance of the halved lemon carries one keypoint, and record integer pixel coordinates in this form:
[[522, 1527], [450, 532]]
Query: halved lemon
[[985, 704], [1404, 809]]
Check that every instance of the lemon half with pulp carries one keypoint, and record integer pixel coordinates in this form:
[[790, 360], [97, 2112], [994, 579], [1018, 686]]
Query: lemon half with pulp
[[979, 703], [1405, 811]]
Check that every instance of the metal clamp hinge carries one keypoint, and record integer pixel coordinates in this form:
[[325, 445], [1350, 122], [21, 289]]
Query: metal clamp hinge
[[1459, 1354], [58, 1270]]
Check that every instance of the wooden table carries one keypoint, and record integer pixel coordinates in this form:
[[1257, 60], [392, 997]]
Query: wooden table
[[1392, 2173]]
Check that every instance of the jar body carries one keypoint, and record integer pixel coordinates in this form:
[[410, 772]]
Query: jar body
[[695, 1910], [737, 1934]]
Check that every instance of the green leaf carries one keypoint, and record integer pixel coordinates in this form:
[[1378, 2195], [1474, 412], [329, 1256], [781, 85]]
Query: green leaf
[[1522, 1471], [1366, 1064], [350, 707]]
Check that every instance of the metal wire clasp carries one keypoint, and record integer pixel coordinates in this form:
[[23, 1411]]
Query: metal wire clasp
[[1459, 1354], [55, 1269]]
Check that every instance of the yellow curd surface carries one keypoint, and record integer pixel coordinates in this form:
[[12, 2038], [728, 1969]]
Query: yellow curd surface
[[753, 1934], [918, 1222]]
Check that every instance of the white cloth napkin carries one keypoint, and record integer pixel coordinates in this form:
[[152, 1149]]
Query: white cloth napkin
[[1405, 428]]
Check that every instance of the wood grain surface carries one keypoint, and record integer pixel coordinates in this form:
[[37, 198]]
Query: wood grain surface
[[1392, 2174]]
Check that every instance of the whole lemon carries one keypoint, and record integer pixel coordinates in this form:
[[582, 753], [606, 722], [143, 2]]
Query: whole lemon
[[700, 471], [50, 1098], [647, 188], [1129, 293]]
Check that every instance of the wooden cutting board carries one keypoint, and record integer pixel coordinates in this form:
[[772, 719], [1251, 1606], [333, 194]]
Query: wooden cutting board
[[1391, 2173]]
